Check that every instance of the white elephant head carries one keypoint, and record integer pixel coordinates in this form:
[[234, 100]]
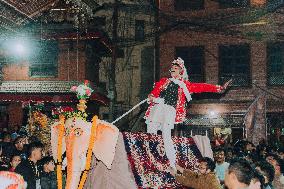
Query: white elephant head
[[76, 141]]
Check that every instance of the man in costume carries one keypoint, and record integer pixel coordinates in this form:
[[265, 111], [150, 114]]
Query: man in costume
[[168, 103]]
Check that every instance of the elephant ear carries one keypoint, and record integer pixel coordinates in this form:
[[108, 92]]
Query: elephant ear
[[54, 131], [105, 142]]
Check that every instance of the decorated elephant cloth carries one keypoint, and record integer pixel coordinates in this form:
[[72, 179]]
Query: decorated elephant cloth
[[149, 163], [140, 162], [11, 180], [120, 175]]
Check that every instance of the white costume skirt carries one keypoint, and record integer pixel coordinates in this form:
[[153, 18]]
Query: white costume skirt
[[161, 115]]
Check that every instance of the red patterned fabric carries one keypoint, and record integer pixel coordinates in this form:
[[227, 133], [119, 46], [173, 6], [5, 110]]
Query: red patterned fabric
[[192, 87], [148, 161]]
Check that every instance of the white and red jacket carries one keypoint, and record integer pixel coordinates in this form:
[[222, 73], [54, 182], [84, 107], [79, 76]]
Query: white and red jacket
[[181, 100]]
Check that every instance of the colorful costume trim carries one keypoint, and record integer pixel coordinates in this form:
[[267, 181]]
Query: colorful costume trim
[[181, 101]]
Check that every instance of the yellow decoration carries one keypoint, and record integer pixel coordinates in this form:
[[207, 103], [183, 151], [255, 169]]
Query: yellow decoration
[[39, 127], [82, 105], [59, 150], [40, 118]]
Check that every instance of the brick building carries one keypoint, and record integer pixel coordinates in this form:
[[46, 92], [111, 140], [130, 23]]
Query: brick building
[[220, 40], [42, 55], [135, 55]]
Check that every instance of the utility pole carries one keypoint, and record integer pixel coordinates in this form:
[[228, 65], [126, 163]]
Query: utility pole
[[112, 82], [157, 41]]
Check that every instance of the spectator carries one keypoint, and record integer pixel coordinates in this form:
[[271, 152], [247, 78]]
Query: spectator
[[28, 168], [277, 163], [19, 147], [7, 137], [229, 155], [205, 178], [239, 174], [261, 152], [257, 181], [6, 144], [267, 171], [281, 153], [221, 165], [249, 148], [15, 161], [3, 163], [48, 177]]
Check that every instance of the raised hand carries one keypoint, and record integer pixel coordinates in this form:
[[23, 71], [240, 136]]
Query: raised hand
[[226, 85], [151, 98]]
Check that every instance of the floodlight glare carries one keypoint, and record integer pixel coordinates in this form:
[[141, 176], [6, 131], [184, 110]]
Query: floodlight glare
[[212, 113], [20, 49], [17, 47]]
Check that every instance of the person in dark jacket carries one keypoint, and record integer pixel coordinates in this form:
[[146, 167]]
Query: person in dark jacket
[[29, 168], [204, 178], [47, 175]]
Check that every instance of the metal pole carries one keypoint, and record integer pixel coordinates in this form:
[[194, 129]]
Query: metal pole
[[112, 88], [157, 42]]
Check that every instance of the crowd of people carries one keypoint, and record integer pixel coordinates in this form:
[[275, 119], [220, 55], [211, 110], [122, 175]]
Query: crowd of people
[[238, 166], [26, 156]]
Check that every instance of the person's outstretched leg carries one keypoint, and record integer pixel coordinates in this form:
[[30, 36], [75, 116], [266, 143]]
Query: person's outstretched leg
[[169, 146], [152, 128]]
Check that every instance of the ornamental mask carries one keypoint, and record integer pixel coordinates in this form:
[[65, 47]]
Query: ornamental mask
[[179, 62]]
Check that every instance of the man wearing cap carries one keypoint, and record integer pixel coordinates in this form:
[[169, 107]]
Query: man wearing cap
[[168, 103]]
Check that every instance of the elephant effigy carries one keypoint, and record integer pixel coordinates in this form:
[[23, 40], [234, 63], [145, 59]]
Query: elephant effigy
[[79, 139], [126, 160]]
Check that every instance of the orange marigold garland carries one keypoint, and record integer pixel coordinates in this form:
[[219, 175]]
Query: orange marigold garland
[[59, 150], [89, 152]]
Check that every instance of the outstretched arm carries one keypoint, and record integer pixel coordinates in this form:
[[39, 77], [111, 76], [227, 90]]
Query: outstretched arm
[[204, 87]]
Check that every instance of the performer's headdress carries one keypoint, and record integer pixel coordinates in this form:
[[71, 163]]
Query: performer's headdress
[[179, 62]]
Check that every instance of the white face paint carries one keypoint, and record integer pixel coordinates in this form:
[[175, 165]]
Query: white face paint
[[175, 72]]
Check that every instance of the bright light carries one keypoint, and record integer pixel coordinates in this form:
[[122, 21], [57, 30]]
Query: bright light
[[20, 49], [17, 47], [212, 113]]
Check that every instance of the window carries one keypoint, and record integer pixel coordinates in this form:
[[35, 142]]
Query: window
[[234, 62], [139, 30], [194, 61], [186, 5], [147, 71], [99, 21], [275, 63], [233, 3], [43, 62]]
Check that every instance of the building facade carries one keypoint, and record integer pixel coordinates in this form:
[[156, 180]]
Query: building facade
[[219, 40], [43, 55], [135, 56]]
